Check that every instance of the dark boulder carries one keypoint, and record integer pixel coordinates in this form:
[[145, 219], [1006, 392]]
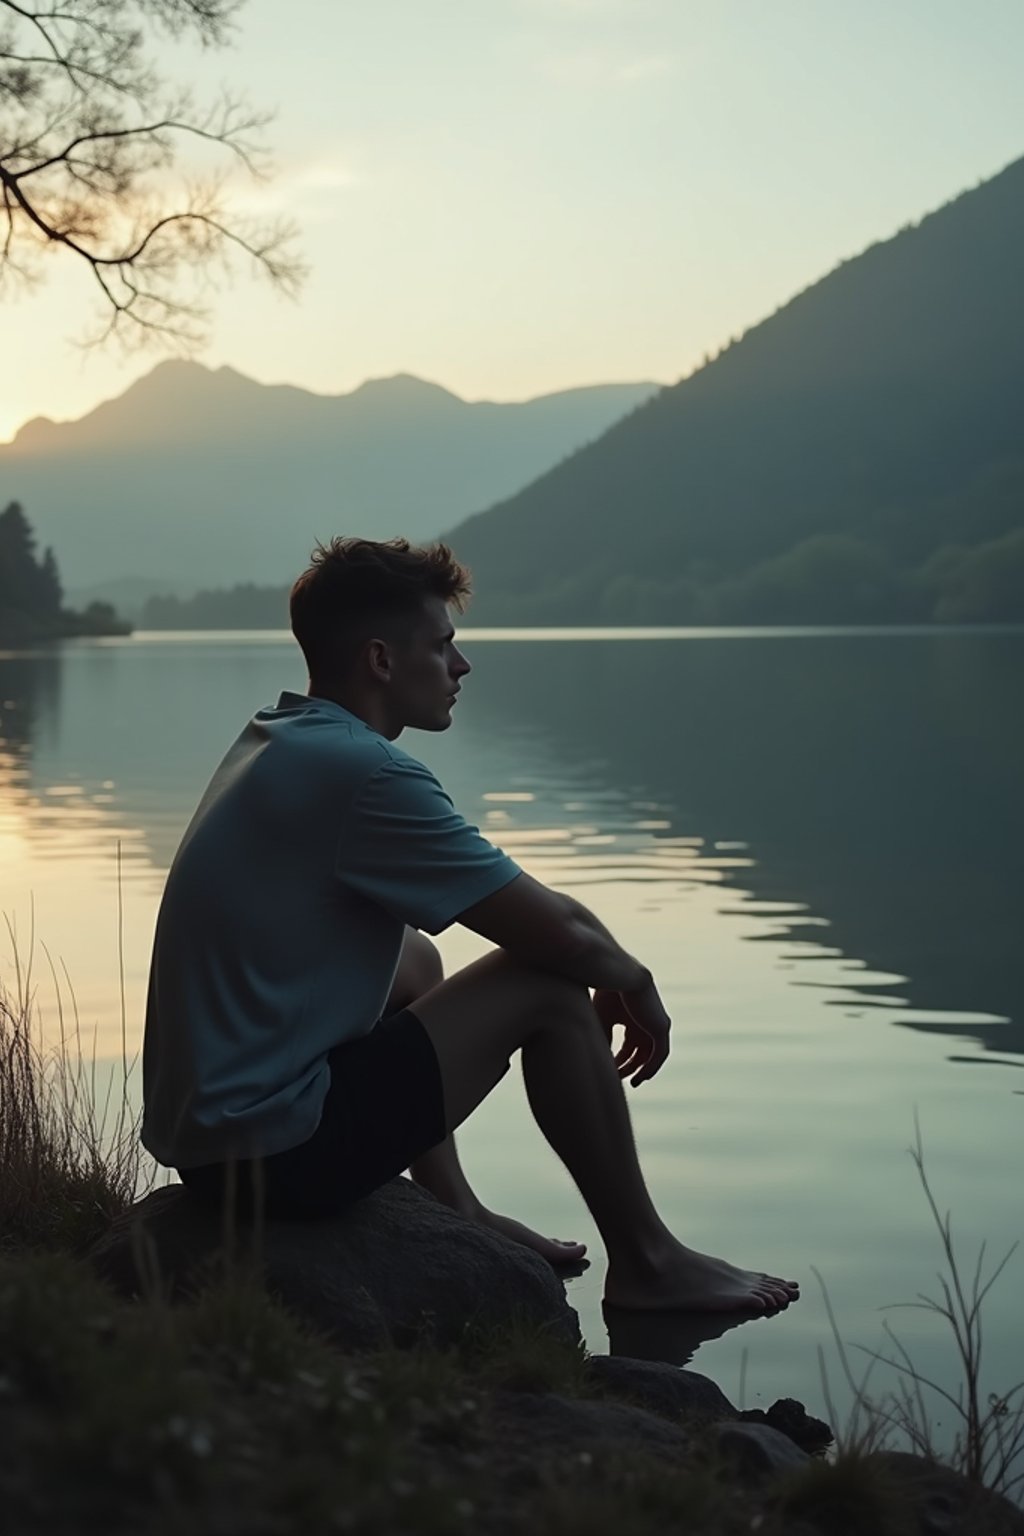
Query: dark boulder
[[792, 1419], [945, 1503], [756, 1451], [548, 1427], [396, 1266], [662, 1389]]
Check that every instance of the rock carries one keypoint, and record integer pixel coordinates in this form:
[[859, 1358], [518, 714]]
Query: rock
[[571, 1429], [756, 1450], [791, 1418], [945, 1503], [663, 1389], [396, 1266]]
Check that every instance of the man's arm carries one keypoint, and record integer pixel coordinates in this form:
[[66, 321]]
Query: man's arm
[[553, 932]]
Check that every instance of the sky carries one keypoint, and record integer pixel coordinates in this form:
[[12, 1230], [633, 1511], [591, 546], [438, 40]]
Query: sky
[[511, 197]]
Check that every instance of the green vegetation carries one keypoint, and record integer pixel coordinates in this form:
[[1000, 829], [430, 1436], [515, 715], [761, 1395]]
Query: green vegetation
[[225, 1413], [242, 607], [831, 578], [827, 578], [31, 595], [985, 582]]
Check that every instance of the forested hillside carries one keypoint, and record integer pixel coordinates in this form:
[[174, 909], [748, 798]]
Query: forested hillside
[[857, 457], [31, 594]]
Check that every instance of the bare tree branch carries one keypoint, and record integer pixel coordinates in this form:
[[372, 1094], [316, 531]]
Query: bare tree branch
[[92, 144]]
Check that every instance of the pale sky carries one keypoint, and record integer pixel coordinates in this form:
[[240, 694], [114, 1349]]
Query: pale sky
[[515, 196]]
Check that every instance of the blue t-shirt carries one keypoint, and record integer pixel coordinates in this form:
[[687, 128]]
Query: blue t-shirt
[[281, 924]]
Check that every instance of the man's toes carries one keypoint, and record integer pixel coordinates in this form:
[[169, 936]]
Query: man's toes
[[774, 1300], [791, 1287], [564, 1251]]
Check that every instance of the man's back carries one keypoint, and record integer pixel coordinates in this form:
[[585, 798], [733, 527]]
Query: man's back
[[282, 922]]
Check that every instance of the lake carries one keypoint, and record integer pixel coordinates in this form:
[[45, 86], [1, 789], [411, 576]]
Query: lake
[[813, 838]]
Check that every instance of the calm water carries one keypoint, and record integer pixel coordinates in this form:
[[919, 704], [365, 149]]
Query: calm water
[[813, 839]]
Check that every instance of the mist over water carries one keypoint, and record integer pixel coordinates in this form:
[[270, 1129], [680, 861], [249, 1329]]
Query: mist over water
[[812, 839]]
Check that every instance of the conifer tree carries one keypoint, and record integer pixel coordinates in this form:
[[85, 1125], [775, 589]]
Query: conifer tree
[[51, 592], [18, 569]]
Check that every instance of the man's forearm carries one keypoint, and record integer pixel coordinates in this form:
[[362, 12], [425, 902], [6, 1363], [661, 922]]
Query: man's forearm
[[597, 958]]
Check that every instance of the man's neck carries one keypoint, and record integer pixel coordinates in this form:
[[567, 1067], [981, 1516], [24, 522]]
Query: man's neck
[[369, 710]]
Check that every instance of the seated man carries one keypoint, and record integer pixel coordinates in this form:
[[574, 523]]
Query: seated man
[[302, 1046]]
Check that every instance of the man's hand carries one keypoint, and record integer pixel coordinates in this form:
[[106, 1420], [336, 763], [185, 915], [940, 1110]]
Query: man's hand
[[646, 1044]]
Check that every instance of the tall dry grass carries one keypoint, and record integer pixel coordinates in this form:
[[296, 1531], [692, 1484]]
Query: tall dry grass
[[70, 1156], [988, 1426]]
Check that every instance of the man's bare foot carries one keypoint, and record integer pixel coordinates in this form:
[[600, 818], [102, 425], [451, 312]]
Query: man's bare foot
[[685, 1281], [555, 1250]]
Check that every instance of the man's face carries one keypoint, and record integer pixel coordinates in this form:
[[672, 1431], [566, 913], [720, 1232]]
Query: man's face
[[427, 671]]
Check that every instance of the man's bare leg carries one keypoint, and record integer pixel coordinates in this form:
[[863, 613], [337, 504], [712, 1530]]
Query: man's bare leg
[[419, 970], [476, 1020], [440, 1171]]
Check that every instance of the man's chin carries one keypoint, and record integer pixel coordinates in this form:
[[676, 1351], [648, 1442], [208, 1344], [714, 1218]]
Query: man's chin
[[440, 721]]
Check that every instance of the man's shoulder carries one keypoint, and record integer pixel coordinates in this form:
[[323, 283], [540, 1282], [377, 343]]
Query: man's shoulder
[[309, 733], [313, 726]]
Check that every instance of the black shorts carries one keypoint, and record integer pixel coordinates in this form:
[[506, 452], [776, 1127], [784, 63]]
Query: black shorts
[[384, 1108]]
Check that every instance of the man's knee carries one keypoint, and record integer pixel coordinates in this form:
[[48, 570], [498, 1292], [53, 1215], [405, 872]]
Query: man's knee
[[552, 996]]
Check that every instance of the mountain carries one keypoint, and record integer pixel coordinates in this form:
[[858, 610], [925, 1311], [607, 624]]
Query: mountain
[[857, 455], [202, 478]]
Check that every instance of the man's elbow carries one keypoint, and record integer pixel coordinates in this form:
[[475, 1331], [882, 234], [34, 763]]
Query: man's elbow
[[532, 924]]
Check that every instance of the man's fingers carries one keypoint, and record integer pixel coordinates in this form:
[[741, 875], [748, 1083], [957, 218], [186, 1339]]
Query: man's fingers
[[638, 1058], [653, 1064], [628, 1053], [641, 1053]]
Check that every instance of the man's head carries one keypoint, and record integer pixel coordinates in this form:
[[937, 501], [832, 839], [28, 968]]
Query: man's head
[[372, 620]]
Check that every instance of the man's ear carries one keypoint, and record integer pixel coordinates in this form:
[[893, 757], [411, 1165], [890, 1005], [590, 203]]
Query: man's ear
[[378, 659]]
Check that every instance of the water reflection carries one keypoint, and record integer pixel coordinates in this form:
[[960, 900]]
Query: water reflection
[[857, 796], [30, 684], [875, 780], [670, 1337]]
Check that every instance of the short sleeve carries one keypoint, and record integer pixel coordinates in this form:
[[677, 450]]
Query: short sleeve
[[404, 846]]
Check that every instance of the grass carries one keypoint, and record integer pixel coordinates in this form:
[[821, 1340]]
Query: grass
[[70, 1156], [228, 1412]]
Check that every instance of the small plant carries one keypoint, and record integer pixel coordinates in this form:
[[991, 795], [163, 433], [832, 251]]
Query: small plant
[[523, 1356], [988, 1446]]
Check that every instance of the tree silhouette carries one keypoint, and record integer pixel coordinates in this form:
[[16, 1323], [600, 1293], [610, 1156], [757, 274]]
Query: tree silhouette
[[90, 139], [51, 592], [18, 570], [31, 595], [983, 583]]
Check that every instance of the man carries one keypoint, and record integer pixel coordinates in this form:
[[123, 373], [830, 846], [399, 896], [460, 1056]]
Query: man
[[302, 1045]]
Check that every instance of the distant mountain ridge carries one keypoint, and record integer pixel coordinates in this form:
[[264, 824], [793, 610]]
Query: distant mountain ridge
[[200, 478], [848, 451], [175, 398]]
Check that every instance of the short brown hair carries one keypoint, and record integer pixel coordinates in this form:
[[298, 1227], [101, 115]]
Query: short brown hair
[[353, 585]]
